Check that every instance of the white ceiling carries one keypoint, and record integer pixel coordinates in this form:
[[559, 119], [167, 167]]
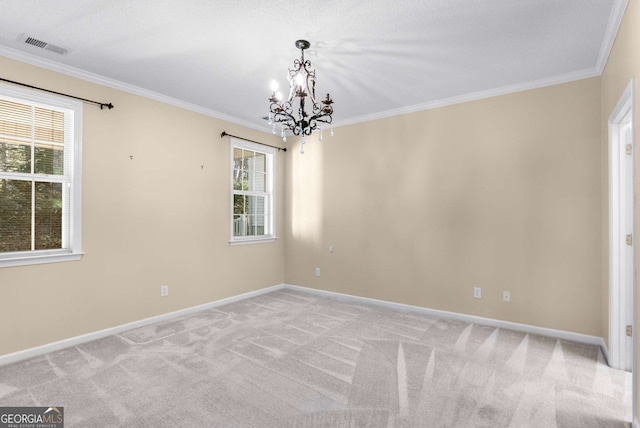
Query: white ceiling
[[377, 58]]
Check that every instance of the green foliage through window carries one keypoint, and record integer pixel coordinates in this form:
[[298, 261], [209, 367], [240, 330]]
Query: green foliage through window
[[32, 168]]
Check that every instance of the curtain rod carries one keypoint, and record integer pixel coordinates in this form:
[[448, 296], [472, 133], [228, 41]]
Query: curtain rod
[[102, 105], [224, 134]]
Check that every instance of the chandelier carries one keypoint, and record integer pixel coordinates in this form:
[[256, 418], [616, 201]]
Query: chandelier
[[302, 84]]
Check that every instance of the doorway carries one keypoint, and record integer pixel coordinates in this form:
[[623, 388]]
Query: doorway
[[621, 231]]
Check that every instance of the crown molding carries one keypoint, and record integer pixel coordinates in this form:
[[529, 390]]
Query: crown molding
[[614, 22], [116, 84], [613, 25], [475, 96]]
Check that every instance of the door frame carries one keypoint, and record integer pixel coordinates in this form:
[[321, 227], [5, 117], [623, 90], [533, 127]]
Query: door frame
[[618, 312]]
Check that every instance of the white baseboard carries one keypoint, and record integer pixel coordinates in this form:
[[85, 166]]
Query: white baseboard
[[77, 340], [526, 328], [605, 351], [73, 341]]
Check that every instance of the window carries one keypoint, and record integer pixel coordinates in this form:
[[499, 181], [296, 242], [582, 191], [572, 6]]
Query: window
[[40, 167], [253, 194]]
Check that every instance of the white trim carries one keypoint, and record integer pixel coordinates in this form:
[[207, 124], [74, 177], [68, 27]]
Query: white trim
[[617, 311], [636, 424], [474, 96], [605, 351], [115, 84], [526, 328], [615, 19], [235, 242], [40, 259], [121, 86], [77, 340]]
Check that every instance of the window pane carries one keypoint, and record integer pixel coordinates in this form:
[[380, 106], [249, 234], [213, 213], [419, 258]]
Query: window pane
[[260, 179], [15, 156], [255, 205], [237, 158], [15, 215], [239, 225], [250, 228], [247, 160], [260, 162], [255, 209], [48, 233], [238, 204], [237, 179], [252, 160], [256, 225], [49, 159], [15, 119], [244, 180]]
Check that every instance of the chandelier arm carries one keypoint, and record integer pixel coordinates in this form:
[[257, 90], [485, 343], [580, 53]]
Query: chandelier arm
[[323, 115], [287, 120], [282, 113], [277, 107]]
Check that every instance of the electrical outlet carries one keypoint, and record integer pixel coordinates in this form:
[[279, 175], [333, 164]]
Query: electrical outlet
[[164, 290], [317, 271], [477, 292], [331, 248], [506, 296]]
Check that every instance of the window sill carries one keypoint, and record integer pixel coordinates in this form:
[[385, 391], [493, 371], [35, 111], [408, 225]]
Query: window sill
[[24, 260], [235, 242]]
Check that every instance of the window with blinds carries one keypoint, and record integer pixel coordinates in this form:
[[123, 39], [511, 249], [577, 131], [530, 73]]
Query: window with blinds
[[39, 177], [252, 192]]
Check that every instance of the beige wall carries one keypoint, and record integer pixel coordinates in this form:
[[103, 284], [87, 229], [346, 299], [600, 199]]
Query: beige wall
[[502, 193], [623, 65], [161, 218]]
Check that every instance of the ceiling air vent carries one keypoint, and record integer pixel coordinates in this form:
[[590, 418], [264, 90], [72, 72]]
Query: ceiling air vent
[[43, 45]]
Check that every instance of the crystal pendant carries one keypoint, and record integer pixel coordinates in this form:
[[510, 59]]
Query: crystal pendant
[[270, 118], [283, 134], [332, 130], [320, 138], [273, 129], [302, 145]]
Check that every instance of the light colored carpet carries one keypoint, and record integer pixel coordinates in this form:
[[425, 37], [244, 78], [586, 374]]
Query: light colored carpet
[[291, 359]]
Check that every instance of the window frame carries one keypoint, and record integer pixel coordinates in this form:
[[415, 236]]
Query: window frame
[[74, 210], [270, 192]]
